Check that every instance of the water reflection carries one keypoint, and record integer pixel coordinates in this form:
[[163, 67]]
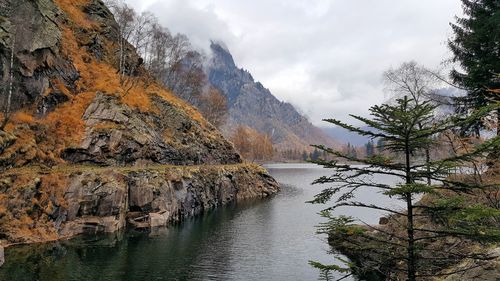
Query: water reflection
[[271, 239]]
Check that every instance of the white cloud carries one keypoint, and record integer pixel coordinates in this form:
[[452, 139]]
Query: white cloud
[[324, 56]]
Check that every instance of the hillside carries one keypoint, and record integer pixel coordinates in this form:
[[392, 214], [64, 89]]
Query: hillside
[[252, 105], [93, 142]]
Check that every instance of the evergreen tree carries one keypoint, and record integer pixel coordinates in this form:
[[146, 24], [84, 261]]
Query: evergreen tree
[[370, 149], [407, 127], [354, 153], [348, 149], [315, 155], [305, 156], [380, 145], [476, 47]]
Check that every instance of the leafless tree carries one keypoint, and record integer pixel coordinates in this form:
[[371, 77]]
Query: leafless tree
[[213, 107], [125, 17], [411, 79], [178, 47], [169, 58], [158, 51], [175, 63], [7, 110], [251, 144], [415, 81], [186, 77], [142, 33]]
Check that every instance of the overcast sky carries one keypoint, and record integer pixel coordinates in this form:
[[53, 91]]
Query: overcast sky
[[325, 57]]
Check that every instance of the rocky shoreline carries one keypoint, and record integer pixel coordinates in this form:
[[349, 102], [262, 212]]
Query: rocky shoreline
[[478, 270], [85, 151], [64, 202], [372, 265]]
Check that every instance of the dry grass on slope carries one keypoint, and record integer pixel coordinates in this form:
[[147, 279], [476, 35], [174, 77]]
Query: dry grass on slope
[[41, 140]]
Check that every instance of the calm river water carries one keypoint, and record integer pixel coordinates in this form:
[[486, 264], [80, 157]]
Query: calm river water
[[270, 239]]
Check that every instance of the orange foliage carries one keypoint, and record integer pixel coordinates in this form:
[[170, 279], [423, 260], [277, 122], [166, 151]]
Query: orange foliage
[[252, 144], [179, 103], [104, 126], [25, 219], [94, 76], [103, 78], [99, 76], [25, 144], [3, 204], [71, 49], [137, 97], [61, 87], [64, 127], [73, 9], [52, 191], [65, 122], [22, 117], [168, 134]]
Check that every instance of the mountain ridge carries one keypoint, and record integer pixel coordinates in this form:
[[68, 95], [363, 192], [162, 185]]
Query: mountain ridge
[[253, 105]]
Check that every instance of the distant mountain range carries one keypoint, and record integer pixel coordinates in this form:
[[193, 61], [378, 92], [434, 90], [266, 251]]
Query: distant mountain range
[[252, 105], [344, 136], [443, 95]]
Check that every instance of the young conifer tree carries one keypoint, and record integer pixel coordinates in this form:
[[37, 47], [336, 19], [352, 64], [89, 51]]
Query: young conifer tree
[[407, 129]]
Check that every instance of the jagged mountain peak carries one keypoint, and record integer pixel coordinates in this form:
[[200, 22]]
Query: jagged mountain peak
[[221, 52], [253, 105]]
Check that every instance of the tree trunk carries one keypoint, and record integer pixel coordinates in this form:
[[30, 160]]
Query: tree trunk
[[427, 161], [409, 227], [122, 63], [11, 81], [498, 122]]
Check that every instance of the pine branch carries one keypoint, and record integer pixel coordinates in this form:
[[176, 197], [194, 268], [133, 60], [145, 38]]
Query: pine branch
[[374, 168], [358, 130], [363, 205]]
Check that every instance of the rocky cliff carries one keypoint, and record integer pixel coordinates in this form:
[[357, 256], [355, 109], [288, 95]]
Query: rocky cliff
[[48, 204], [87, 149], [253, 105]]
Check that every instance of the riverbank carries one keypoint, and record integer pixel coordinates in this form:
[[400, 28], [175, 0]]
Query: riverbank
[[269, 239], [453, 258], [45, 204]]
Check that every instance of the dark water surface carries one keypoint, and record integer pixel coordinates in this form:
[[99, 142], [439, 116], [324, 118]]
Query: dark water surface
[[270, 239]]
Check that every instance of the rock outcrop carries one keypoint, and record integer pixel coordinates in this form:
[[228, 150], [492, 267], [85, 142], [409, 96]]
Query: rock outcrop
[[118, 135], [30, 30], [88, 200], [488, 270]]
